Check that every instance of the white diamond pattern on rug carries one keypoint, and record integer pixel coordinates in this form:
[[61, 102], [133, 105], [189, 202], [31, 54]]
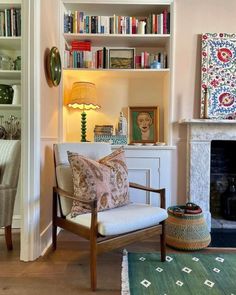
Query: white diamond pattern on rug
[[179, 283], [186, 269], [145, 283], [219, 259], [209, 283], [169, 259], [195, 259], [142, 258], [159, 269], [217, 270]]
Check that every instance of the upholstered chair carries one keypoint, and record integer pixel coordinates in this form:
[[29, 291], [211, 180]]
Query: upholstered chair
[[9, 174], [107, 229]]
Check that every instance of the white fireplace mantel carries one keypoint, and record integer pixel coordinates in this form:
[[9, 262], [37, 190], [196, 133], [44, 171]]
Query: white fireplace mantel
[[200, 133]]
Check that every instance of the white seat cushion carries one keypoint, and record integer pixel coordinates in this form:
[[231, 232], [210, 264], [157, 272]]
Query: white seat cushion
[[123, 219]]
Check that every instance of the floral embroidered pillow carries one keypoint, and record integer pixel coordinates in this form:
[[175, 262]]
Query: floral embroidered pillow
[[106, 180]]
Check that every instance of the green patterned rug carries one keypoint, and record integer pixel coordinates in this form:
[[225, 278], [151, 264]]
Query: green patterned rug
[[181, 274]]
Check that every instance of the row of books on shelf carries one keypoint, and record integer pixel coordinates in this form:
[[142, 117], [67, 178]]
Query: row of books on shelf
[[10, 22], [78, 22], [103, 59]]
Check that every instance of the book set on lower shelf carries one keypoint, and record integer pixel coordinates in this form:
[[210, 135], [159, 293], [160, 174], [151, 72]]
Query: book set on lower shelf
[[82, 55]]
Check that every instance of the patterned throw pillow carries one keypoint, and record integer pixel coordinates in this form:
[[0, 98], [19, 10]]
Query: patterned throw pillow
[[106, 180]]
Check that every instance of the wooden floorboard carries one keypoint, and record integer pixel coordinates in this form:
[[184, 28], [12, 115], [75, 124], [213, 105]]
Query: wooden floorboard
[[66, 270]]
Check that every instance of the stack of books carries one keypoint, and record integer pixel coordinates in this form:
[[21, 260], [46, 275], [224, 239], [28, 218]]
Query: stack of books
[[106, 130]]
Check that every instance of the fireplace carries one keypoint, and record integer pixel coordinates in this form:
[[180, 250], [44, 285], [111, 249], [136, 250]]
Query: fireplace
[[200, 135], [223, 179]]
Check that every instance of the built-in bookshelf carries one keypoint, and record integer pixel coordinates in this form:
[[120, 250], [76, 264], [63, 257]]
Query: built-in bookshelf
[[10, 55], [107, 26], [10, 47]]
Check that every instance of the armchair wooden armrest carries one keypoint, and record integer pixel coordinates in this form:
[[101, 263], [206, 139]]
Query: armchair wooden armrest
[[160, 191], [68, 195]]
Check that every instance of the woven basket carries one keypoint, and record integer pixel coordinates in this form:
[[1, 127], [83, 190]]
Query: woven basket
[[187, 231]]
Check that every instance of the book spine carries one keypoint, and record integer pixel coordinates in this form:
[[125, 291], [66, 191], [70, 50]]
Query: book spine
[[168, 23], [9, 32], [81, 22], [75, 22], [2, 23], [165, 22], [66, 23]]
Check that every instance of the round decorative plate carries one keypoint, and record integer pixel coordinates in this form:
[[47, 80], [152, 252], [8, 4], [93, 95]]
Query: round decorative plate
[[54, 66]]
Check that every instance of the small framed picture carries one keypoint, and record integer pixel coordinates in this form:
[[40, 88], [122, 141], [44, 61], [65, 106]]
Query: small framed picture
[[121, 58], [144, 124]]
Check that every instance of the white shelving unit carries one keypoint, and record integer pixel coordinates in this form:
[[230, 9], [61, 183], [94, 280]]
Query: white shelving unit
[[10, 106], [121, 88]]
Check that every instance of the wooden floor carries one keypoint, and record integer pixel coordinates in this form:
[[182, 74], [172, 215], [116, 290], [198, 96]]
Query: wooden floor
[[65, 271]]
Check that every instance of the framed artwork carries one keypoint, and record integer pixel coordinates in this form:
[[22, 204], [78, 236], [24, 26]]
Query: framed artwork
[[121, 58], [218, 80], [143, 124]]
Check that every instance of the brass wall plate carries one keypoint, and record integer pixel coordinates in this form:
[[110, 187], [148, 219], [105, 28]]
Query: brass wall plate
[[54, 66]]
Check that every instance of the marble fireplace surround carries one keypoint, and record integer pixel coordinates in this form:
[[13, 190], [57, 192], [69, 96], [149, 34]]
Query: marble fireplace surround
[[200, 133]]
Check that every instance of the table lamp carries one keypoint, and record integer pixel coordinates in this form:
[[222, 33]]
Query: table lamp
[[84, 97]]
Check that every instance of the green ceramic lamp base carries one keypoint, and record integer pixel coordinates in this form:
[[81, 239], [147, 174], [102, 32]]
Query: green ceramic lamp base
[[83, 127]]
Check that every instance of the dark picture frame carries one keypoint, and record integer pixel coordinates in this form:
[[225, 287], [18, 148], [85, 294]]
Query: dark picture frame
[[121, 58], [143, 124]]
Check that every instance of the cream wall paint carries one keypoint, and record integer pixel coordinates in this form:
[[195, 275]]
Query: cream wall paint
[[193, 17], [49, 110]]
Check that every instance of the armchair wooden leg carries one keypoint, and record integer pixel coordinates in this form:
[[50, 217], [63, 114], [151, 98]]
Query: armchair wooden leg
[[54, 227], [93, 263], [54, 237], [8, 237], [163, 242]]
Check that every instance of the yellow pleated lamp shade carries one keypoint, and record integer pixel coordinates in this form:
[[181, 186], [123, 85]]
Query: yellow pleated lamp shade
[[83, 96]]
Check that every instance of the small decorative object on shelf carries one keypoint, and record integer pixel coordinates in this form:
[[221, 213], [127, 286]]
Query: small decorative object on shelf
[[6, 94], [103, 130], [17, 63], [122, 125], [17, 94], [144, 124], [121, 58], [3, 132], [10, 129], [112, 139], [6, 63]]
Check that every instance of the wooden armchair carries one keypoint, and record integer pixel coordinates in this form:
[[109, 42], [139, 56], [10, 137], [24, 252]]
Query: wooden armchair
[[108, 229], [9, 172]]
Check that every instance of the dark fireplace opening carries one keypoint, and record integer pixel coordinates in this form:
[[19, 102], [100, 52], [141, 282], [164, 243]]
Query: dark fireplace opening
[[223, 180]]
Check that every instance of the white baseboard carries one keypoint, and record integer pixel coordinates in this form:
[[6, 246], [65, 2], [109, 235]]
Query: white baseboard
[[46, 238]]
